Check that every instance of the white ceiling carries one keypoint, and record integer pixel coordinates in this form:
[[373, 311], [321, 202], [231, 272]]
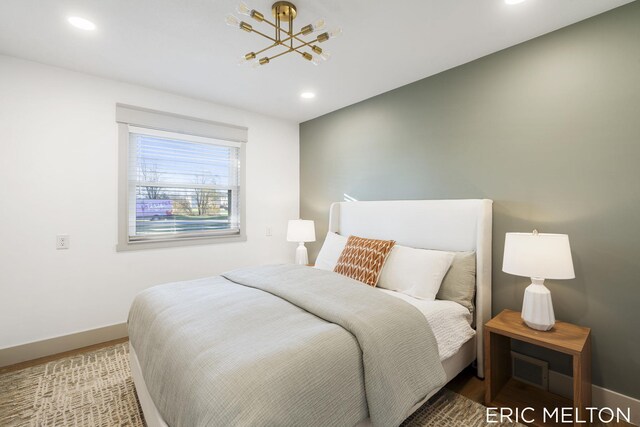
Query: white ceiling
[[184, 46]]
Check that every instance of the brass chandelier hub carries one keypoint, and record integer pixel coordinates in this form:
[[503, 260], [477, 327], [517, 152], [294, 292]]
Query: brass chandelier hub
[[284, 38], [283, 10]]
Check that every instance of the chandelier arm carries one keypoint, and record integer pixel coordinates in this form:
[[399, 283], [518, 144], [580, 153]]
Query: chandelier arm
[[270, 23], [265, 36], [302, 41], [279, 29], [295, 36], [291, 37], [290, 33], [304, 44], [301, 53], [280, 54], [282, 42], [289, 50], [266, 49]]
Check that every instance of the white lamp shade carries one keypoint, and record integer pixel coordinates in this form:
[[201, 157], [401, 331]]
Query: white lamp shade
[[545, 256], [301, 230]]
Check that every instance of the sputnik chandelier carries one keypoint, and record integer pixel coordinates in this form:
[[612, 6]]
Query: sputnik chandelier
[[292, 42]]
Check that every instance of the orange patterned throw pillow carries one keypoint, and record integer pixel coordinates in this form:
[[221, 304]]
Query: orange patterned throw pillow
[[362, 259]]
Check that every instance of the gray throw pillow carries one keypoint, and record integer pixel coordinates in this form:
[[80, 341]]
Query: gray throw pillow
[[459, 284]]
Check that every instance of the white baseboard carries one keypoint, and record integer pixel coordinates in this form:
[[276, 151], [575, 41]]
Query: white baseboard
[[562, 385], [51, 346]]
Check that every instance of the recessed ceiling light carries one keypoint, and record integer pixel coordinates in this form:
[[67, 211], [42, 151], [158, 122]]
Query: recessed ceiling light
[[513, 1], [307, 95], [81, 23]]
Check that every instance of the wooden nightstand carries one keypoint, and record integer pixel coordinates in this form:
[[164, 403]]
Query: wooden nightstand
[[503, 391]]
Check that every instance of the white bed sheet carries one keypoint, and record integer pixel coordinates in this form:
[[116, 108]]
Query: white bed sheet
[[449, 321]]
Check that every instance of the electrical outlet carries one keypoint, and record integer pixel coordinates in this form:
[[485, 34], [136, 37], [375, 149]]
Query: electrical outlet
[[62, 241], [268, 232]]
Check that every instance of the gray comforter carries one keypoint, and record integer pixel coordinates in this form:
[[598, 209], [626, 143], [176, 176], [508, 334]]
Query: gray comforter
[[282, 346]]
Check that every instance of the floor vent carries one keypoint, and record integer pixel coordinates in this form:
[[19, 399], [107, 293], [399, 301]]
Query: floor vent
[[530, 370]]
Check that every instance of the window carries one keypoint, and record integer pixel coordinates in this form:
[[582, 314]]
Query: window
[[180, 188]]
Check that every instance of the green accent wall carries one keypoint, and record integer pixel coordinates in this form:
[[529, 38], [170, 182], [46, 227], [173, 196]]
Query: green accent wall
[[548, 129]]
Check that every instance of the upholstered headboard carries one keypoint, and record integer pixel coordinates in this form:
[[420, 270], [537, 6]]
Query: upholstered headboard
[[449, 225]]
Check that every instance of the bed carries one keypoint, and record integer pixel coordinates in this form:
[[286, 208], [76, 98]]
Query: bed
[[445, 225]]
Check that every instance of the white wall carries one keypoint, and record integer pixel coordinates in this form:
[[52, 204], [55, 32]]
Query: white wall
[[58, 174]]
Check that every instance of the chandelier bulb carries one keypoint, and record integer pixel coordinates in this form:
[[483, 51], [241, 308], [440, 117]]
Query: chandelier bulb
[[243, 9], [336, 32], [232, 21], [325, 56], [319, 25]]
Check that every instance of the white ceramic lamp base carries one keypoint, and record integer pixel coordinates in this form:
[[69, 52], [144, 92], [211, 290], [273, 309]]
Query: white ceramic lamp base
[[301, 254], [537, 308]]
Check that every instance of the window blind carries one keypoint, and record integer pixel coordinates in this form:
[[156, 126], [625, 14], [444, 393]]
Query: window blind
[[182, 186]]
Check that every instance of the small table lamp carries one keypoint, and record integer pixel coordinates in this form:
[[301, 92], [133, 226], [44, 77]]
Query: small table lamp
[[538, 256], [300, 230]]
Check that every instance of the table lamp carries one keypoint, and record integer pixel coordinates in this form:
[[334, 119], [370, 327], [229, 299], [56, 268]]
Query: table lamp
[[538, 256], [300, 230]]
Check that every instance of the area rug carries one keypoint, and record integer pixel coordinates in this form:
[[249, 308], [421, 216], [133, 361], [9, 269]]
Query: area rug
[[96, 389]]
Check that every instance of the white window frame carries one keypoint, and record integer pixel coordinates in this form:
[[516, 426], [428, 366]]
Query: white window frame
[[226, 135]]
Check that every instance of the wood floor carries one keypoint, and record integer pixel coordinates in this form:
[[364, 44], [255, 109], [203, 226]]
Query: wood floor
[[466, 383]]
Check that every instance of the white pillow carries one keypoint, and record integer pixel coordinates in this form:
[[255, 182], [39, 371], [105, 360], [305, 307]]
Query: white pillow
[[415, 272], [330, 252]]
